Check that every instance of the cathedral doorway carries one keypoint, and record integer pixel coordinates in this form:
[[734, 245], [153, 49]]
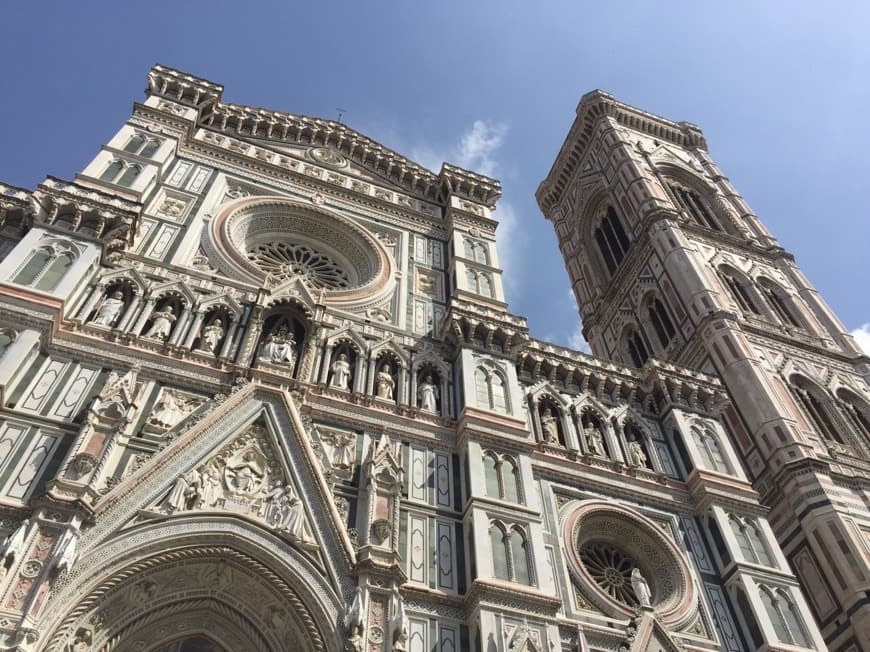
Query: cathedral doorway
[[197, 643]]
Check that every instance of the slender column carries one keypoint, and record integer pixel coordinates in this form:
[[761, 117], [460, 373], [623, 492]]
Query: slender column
[[568, 429], [326, 361], [613, 434], [143, 317], [129, 313], [372, 370], [228, 340], [359, 377], [538, 431], [194, 330], [97, 292], [180, 326]]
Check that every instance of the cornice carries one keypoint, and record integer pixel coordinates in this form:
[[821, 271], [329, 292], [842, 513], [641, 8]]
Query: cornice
[[593, 107], [279, 127]]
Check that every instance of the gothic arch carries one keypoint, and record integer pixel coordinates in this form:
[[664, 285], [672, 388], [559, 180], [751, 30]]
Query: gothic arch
[[707, 193], [235, 577]]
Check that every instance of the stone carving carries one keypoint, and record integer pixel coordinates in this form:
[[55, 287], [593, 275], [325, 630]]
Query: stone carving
[[550, 426], [235, 192], [384, 383], [245, 477], [110, 310], [161, 323], [636, 454], [279, 348], [171, 207], [399, 624], [595, 441], [341, 372], [428, 395], [66, 552], [116, 396], [211, 336], [354, 623], [343, 446], [12, 546], [641, 589], [170, 409], [328, 156]]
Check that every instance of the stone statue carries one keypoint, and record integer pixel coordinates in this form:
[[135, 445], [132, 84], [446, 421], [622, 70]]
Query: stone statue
[[641, 589], [286, 512], [211, 336], [66, 553], [550, 426], [161, 323], [342, 453], [185, 489], [279, 348], [595, 441], [168, 411], [428, 394], [110, 310], [12, 546], [636, 456], [384, 383], [341, 372], [212, 491], [245, 476], [354, 623], [399, 624]]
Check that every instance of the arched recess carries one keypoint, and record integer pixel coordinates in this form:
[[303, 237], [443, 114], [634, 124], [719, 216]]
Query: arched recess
[[133, 537], [225, 578]]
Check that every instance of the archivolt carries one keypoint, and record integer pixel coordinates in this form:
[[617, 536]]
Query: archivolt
[[97, 610]]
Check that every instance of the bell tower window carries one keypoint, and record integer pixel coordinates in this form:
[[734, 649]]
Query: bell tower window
[[636, 348], [612, 240], [661, 322], [694, 206], [739, 292]]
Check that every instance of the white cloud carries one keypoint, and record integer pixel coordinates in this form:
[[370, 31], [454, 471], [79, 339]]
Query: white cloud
[[862, 337], [577, 341], [478, 147]]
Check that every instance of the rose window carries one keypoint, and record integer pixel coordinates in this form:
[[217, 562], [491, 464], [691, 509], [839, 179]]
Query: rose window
[[611, 569], [284, 261]]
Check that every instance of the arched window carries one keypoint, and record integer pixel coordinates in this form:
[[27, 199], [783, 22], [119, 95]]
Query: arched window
[[784, 616], [476, 251], [479, 282], [750, 541], [490, 390], [612, 240], [850, 407], [510, 554], [502, 477], [710, 450], [815, 412], [694, 206], [136, 142], [499, 544], [637, 351], [739, 292], [45, 267], [112, 171], [129, 176], [778, 304], [142, 145], [661, 322], [520, 558]]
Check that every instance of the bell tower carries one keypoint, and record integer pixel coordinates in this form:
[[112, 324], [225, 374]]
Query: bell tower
[[667, 261]]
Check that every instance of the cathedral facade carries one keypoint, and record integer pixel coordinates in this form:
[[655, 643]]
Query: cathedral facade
[[261, 392]]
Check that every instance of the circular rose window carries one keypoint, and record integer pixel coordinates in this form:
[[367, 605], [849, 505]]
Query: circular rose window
[[271, 241], [606, 543]]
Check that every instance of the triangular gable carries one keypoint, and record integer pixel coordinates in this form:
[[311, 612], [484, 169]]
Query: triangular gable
[[651, 636], [238, 462]]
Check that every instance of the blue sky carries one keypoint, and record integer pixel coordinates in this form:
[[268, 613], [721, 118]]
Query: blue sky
[[780, 89]]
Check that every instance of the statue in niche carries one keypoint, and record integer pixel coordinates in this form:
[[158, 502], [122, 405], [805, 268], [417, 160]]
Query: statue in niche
[[342, 452], [641, 589], [169, 410], [279, 348], [185, 492], [341, 372], [595, 441], [12, 546], [399, 624], [246, 475], [428, 395], [636, 455], [211, 336], [550, 426], [110, 309], [161, 323], [82, 641], [384, 383], [354, 623]]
